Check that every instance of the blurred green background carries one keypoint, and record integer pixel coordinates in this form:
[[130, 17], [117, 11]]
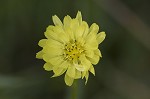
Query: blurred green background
[[122, 73]]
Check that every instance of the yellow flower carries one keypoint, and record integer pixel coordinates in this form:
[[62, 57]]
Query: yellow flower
[[71, 47]]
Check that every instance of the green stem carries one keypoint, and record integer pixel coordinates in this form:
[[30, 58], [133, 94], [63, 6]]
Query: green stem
[[74, 90]]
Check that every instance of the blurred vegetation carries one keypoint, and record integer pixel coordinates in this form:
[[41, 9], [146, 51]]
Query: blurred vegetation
[[122, 73]]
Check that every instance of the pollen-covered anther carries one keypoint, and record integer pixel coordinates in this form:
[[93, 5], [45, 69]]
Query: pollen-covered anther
[[73, 50]]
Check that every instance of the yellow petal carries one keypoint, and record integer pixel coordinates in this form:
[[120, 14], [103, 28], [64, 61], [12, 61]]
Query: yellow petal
[[81, 41], [94, 28], [57, 71], [86, 77], [59, 74], [68, 80], [50, 34], [98, 52], [86, 31], [80, 67], [60, 69], [100, 37], [89, 53], [64, 65], [57, 33], [67, 21], [91, 42], [46, 57], [53, 60], [79, 31], [92, 70], [71, 71], [52, 51], [48, 66], [56, 60], [50, 27], [54, 44], [61, 33], [93, 45], [39, 55], [74, 25], [78, 74], [57, 21], [94, 60], [83, 74], [42, 42], [79, 17], [85, 62], [70, 33]]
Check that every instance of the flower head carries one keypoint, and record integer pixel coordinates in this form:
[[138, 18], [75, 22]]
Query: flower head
[[71, 47]]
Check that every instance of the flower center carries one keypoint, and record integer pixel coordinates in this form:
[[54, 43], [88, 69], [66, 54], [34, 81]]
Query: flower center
[[73, 50]]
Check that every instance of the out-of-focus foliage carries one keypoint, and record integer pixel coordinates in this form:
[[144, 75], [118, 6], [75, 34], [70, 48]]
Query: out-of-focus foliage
[[123, 72]]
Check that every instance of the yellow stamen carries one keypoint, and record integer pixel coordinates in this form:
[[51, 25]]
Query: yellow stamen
[[73, 50]]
